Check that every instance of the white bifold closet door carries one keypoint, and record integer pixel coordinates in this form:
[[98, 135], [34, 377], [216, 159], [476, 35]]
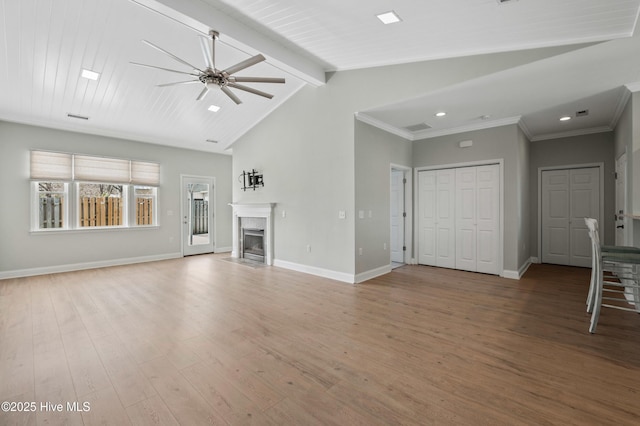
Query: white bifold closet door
[[477, 218], [568, 196], [436, 202], [459, 218]]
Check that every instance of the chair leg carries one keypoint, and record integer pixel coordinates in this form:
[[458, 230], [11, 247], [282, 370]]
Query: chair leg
[[596, 300]]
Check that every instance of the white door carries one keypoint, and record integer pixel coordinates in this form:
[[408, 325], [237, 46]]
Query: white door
[[436, 222], [477, 218], [621, 200], [397, 216], [446, 218], [555, 217], [488, 219], [568, 196], [427, 218], [466, 219], [197, 215]]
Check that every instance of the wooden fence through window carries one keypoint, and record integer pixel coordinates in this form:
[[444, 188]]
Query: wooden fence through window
[[100, 211], [94, 211]]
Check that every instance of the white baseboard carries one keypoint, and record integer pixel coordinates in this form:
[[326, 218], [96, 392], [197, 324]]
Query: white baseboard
[[367, 275], [86, 265], [516, 275], [320, 272], [223, 249]]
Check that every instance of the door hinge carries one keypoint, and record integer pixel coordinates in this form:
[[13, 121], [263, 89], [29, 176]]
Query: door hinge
[[404, 248], [404, 214], [615, 175], [404, 180]]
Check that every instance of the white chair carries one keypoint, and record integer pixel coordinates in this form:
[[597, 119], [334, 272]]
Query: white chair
[[618, 267]]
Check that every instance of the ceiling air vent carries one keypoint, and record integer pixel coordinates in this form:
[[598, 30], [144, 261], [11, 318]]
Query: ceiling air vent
[[582, 113], [80, 117], [211, 141], [418, 127]]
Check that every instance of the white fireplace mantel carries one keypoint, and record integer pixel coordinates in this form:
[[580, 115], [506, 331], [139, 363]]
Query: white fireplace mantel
[[264, 210]]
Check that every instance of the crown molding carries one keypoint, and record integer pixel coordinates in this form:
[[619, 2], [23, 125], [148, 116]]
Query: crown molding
[[571, 133], [525, 129], [428, 134], [633, 87], [622, 103], [405, 134]]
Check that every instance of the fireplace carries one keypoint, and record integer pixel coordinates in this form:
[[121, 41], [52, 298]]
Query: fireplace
[[253, 217], [252, 244]]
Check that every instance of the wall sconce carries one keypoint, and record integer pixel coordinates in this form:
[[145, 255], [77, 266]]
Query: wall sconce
[[251, 180]]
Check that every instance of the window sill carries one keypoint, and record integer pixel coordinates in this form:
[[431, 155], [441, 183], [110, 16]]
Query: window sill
[[53, 231]]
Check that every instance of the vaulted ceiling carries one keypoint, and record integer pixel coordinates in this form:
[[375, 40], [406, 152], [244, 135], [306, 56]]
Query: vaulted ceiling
[[45, 44]]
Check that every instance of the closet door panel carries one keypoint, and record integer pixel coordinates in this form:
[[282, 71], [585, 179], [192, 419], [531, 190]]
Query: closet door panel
[[488, 219], [427, 218], [445, 221], [466, 213]]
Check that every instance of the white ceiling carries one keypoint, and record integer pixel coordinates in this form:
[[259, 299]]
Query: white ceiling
[[45, 44]]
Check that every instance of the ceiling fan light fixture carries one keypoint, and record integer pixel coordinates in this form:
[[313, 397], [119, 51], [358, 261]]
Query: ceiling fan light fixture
[[565, 118], [389, 17]]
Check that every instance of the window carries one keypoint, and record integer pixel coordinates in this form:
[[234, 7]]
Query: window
[[71, 191], [51, 205]]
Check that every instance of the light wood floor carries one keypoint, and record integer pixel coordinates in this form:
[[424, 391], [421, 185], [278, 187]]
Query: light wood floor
[[203, 341]]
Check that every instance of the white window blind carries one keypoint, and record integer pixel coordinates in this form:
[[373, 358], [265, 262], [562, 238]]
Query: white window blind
[[101, 169], [51, 165], [144, 173], [88, 168]]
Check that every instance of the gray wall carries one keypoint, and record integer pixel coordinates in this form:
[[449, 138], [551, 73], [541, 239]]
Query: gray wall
[[375, 151], [22, 250], [585, 149], [488, 144], [524, 201], [306, 150]]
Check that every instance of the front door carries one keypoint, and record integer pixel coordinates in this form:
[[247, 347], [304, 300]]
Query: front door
[[197, 215]]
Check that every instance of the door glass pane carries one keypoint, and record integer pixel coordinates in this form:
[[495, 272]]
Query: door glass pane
[[198, 213]]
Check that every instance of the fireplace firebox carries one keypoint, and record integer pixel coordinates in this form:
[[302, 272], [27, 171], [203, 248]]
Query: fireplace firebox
[[253, 244]]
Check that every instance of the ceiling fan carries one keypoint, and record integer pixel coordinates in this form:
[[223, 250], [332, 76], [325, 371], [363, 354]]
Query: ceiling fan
[[213, 78]]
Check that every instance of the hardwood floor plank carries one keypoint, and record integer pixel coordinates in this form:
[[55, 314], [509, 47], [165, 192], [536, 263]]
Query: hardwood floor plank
[[200, 340], [185, 403], [152, 411], [127, 378], [103, 408]]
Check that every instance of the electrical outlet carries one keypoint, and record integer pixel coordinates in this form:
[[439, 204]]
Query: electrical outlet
[[370, 214], [308, 248], [342, 214], [284, 213], [361, 214], [385, 246], [360, 251]]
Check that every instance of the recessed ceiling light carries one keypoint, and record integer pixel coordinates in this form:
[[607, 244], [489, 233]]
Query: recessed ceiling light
[[214, 108], [441, 114], [389, 17], [90, 75], [565, 118]]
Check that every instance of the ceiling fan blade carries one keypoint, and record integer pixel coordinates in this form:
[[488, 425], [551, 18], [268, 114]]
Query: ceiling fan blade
[[203, 93], [171, 55], [256, 79], [177, 83], [250, 90], [230, 94], [206, 52], [244, 64], [163, 69]]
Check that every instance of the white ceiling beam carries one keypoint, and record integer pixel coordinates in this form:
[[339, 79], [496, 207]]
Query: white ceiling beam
[[201, 17]]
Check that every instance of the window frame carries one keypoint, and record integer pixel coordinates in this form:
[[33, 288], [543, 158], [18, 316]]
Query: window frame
[[142, 174]]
